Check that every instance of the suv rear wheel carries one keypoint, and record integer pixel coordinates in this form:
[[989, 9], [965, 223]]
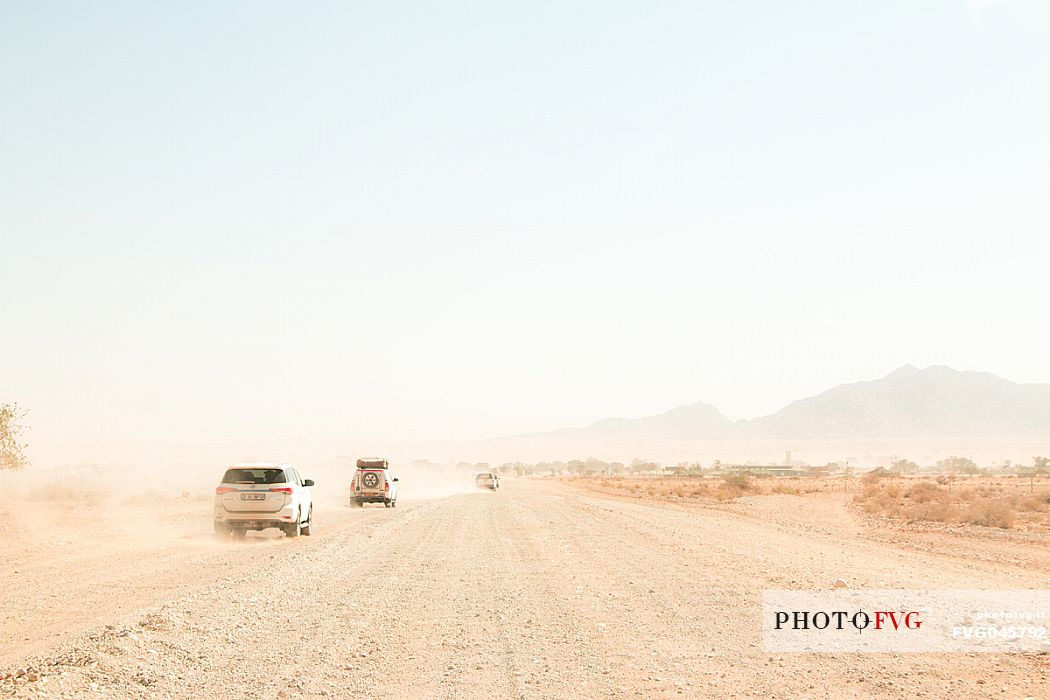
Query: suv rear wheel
[[309, 522], [293, 529]]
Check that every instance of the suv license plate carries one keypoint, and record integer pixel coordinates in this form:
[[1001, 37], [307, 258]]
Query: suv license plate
[[253, 496]]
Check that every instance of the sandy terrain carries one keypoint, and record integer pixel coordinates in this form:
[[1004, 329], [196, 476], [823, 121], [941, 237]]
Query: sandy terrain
[[542, 589]]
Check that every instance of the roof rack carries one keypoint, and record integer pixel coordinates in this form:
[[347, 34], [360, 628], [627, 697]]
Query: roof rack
[[372, 463]]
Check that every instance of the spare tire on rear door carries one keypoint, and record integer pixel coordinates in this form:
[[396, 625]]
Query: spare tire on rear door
[[370, 480]]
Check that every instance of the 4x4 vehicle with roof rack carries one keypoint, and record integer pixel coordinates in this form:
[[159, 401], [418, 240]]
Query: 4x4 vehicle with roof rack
[[373, 483]]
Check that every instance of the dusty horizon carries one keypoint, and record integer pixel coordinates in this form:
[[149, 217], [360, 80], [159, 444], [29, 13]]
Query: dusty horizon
[[618, 439]]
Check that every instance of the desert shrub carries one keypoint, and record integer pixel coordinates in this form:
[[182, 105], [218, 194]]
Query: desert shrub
[[875, 476], [928, 502], [868, 493], [990, 514], [938, 508], [737, 481], [874, 499], [1034, 504], [923, 492]]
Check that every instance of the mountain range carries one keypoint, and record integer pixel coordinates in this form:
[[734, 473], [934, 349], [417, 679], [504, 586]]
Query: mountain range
[[936, 401]]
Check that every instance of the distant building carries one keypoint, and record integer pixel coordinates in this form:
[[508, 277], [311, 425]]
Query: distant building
[[763, 469]]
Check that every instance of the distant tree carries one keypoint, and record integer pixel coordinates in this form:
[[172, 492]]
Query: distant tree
[[12, 429], [962, 465], [643, 465], [1041, 463], [904, 466], [596, 465]]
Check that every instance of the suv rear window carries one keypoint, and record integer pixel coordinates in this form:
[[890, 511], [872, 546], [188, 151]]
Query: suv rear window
[[254, 476]]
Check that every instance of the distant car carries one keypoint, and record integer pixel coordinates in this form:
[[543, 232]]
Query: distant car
[[487, 481], [257, 496], [373, 483]]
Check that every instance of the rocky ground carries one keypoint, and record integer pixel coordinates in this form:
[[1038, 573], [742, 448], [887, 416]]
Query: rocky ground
[[539, 590]]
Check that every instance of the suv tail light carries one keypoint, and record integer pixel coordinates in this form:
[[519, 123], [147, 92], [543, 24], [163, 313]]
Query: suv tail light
[[223, 489], [386, 485], [283, 489]]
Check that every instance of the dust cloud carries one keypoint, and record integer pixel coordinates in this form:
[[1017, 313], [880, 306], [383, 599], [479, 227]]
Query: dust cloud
[[72, 509]]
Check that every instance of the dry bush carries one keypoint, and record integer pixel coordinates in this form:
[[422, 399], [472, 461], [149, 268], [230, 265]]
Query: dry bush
[[923, 492], [737, 481], [699, 491], [724, 488], [990, 514], [987, 505], [1034, 504], [937, 508], [876, 500]]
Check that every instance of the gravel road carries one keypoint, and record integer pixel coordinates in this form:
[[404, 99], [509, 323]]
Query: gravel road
[[535, 591]]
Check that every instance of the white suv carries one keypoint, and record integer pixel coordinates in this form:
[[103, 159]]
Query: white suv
[[256, 496]]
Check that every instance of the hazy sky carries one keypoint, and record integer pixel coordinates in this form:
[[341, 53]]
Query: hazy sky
[[227, 221]]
